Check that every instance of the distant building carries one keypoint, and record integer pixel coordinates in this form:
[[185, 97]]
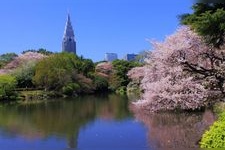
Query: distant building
[[130, 57], [110, 57], [69, 43]]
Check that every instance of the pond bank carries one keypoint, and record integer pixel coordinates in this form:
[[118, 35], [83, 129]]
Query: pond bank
[[36, 95]]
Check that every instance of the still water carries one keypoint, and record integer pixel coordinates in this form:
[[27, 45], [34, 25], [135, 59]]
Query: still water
[[97, 122]]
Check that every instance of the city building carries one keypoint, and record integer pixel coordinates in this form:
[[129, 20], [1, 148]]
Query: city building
[[130, 57], [110, 57], [69, 43]]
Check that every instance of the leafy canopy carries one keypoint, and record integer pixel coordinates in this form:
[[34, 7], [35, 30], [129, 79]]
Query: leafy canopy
[[7, 87], [24, 74], [40, 50], [120, 70], [58, 70], [208, 20], [6, 58]]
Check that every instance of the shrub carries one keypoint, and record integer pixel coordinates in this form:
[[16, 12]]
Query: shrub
[[58, 70], [101, 83], [24, 75], [6, 58], [7, 87], [119, 76], [215, 136], [71, 89], [55, 71], [121, 90]]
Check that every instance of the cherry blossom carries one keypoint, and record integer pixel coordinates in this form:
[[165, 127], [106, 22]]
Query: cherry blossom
[[181, 73]]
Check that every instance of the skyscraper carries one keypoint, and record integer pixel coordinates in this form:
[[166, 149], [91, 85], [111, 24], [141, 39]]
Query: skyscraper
[[69, 43]]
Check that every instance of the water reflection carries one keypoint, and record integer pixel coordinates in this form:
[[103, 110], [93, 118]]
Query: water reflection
[[175, 130], [61, 118], [99, 121]]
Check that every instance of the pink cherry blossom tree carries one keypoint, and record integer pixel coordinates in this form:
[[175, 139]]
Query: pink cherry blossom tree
[[182, 73]]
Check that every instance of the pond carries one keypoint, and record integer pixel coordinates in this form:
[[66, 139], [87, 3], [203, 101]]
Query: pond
[[97, 122]]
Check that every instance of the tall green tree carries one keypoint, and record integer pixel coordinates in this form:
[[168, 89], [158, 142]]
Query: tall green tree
[[208, 20]]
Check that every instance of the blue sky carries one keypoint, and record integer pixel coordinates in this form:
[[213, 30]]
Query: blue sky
[[119, 26]]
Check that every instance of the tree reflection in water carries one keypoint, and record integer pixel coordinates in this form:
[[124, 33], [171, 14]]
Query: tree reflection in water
[[181, 130], [64, 119], [61, 118]]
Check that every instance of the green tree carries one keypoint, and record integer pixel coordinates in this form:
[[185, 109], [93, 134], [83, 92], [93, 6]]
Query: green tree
[[55, 71], [120, 69], [101, 83], [40, 50], [59, 70], [71, 88], [86, 67], [44, 51], [6, 58], [7, 87], [24, 75], [210, 1], [208, 20]]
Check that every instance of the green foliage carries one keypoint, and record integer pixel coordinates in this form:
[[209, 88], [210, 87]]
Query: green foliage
[[210, 1], [120, 70], [71, 89], [7, 87], [133, 88], [24, 75], [219, 107], [121, 90], [6, 58], [101, 83], [55, 71], [86, 67], [208, 20], [58, 70], [34, 96], [215, 136], [41, 51]]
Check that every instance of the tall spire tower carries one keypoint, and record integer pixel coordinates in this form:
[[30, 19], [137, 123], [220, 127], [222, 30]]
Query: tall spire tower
[[69, 43]]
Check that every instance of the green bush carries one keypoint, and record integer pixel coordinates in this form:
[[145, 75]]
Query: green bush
[[6, 58], [101, 83], [121, 90], [58, 70], [24, 74], [71, 88], [119, 77], [215, 136], [7, 87]]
